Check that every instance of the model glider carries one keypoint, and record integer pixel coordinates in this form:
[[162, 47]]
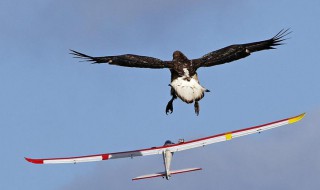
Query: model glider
[[169, 148], [184, 79]]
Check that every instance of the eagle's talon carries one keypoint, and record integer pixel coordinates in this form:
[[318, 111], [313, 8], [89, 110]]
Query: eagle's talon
[[169, 108], [168, 112]]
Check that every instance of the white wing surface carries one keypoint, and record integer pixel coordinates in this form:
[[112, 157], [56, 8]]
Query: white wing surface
[[172, 147]]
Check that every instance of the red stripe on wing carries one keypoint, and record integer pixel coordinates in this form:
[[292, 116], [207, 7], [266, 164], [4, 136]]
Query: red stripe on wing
[[35, 161]]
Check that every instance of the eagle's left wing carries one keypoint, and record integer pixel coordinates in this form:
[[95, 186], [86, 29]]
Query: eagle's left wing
[[126, 60], [238, 51]]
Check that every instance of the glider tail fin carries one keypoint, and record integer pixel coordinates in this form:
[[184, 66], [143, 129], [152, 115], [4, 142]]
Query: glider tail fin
[[163, 174]]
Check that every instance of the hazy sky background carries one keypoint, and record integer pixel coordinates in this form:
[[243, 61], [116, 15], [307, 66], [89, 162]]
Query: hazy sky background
[[51, 105]]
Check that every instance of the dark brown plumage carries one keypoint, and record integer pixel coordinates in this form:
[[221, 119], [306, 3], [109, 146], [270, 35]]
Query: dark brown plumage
[[184, 79]]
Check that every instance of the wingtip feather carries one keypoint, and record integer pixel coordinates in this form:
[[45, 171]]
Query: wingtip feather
[[281, 34], [78, 55], [280, 37]]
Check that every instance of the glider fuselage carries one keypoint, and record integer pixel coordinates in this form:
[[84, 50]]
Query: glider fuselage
[[167, 157]]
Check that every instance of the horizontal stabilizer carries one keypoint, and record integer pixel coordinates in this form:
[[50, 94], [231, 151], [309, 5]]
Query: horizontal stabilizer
[[159, 174], [184, 170], [162, 174]]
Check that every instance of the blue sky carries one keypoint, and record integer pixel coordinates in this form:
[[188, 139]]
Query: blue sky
[[54, 106]]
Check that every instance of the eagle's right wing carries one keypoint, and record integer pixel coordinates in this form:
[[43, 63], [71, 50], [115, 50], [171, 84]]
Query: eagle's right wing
[[127, 60]]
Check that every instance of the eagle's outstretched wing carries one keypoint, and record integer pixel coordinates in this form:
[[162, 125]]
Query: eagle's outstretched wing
[[127, 60], [238, 51]]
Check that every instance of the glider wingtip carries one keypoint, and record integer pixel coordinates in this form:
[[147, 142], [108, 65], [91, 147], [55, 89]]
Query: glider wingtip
[[34, 161], [297, 118]]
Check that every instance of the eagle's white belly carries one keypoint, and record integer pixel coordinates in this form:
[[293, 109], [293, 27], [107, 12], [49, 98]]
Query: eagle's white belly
[[188, 91]]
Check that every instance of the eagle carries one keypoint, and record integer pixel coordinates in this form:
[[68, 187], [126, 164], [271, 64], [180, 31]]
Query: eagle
[[184, 78]]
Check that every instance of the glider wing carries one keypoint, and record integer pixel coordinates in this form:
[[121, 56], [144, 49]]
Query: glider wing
[[234, 134], [172, 147]]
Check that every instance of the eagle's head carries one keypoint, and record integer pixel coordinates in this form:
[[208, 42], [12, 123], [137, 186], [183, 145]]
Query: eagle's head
[[179, 56]]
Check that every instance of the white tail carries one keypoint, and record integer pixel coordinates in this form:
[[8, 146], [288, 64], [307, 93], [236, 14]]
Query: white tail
[[163, 174]]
